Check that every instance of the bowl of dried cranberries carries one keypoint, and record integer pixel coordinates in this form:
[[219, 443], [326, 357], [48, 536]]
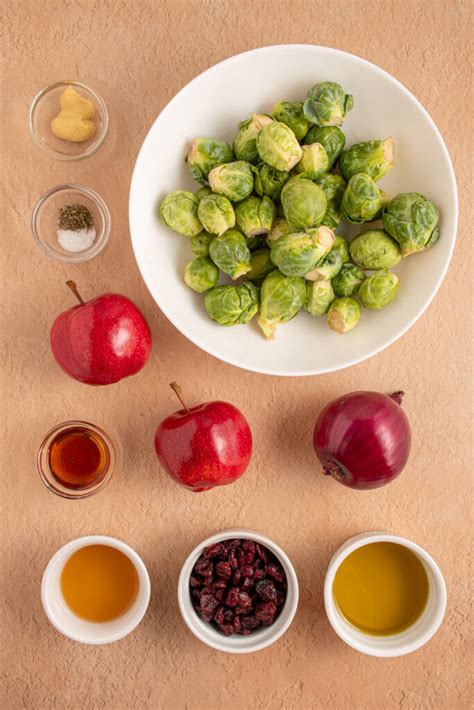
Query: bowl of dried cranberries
[[238, 591]]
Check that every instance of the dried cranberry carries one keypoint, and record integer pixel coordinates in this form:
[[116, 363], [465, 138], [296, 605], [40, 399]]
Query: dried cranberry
[[248, 571], [248, 547], [250, 622], [228, 616], [237, 624], [202, 566], [208, 601], [196, 594], [246, 584], [223, 569], [259, 574], [194, 582], [266, 589], [266, 613], [205, 614], [233, 559], [220, 584], [245, 603], [220, 594], [240, 554], [275, 571], [263, 553], [214, 551], [219, 615], [237, 576], [231, 544], [232, 598]]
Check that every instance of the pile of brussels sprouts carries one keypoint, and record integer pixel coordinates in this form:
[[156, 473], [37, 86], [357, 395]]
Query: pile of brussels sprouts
[[267, 211]]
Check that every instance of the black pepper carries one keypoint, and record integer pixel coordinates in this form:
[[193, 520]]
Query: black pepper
[[75, 217]]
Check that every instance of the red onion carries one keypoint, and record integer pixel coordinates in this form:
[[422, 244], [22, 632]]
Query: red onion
[[363, 439]]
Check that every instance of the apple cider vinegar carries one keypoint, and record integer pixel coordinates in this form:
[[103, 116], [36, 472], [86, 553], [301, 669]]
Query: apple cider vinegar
[[78, 458], [99, 583]]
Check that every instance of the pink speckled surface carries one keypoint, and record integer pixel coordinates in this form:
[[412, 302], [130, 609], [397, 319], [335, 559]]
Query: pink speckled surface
[[138, 54]]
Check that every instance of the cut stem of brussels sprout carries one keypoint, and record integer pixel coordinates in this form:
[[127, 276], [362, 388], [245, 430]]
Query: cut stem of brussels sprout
[[179, 212], [343, 314], [278, 147], [205, 154], [374, 158], [374, 249], [378, 290], [230, 253], [412, 221], [297, 253]]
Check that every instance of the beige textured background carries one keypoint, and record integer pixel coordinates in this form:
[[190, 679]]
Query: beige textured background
[[138, 54]]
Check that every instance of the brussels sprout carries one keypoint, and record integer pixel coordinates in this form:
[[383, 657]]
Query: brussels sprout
[[297, 253], [374, 158], [232, 305], [257, 242], [327, 104], [255, 215], [320, 296], [348, 280], [281, 298], [279, 227], [269, 181], [179, 212], [412, 221], [203, 192], [331, 138], [230, 253], [278, 147], [261, 265], [245, 142], [291, 113], [201, 242], [374, 249], [204, 154], [304, 203], [331, 264], [333, 187], [314, 162], [201, 274], [343, 314], [216, 213], [378, 290], [361, 200], [233, 180]]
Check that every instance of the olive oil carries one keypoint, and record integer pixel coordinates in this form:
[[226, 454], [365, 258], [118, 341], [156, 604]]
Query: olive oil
[[381, 588], [99, 583]]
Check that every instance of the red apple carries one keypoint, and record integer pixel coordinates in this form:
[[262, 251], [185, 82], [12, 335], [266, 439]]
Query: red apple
[[101, 341], [204, 446]]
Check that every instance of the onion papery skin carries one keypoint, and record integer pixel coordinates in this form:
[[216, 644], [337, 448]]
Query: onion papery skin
[[363, 439]]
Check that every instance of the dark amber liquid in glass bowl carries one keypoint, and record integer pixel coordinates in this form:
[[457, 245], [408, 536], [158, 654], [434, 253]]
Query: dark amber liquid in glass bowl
[[78, 458]]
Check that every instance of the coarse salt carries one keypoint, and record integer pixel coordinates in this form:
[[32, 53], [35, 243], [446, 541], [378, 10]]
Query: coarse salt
[[71, 240]]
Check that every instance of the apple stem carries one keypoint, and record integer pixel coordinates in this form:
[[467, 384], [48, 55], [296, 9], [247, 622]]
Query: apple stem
[[73, 288], [179, 393]]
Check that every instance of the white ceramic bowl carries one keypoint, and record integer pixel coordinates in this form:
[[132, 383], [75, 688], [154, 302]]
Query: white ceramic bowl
[[398, 644], [71, 625], [261, 638], [212, 105]]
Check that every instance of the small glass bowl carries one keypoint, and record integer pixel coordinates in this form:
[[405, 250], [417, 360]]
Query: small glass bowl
[[44, 221], [52, 482], [45, 108]]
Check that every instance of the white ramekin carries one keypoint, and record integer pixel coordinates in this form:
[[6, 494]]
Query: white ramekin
[[70, 625], [397, 644], [260, 638]]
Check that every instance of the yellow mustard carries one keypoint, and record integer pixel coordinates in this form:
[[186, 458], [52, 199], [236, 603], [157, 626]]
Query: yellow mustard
[[74, 121]]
